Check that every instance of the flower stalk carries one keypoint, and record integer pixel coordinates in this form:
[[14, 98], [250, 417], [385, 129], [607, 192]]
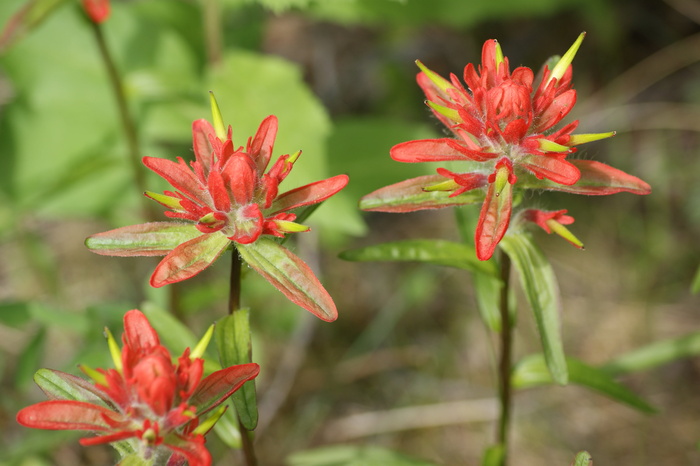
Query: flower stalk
[[505, 389]]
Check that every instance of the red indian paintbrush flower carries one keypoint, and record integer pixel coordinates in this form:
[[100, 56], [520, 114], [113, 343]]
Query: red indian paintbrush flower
[[151, 406], [230, 199], [97, 10], [506, 130]]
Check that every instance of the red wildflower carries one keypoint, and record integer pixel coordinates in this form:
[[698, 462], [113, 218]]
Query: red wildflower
[[229, 197], [153, 404], [506, 129], [97, 10]]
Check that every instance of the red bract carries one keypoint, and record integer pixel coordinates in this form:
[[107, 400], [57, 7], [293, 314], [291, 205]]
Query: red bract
[[230, 199], [506, 130], [147, 400]]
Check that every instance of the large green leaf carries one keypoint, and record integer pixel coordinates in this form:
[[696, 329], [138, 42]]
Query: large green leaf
[[439, 252], [233, 341], [290, 275], [532, 372], [654, 355], [494, 455], [542, 292], [348, 455]]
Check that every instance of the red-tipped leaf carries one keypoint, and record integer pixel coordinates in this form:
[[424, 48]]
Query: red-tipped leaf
[[65, 414], [409, 196], [146, 239], [188, 259], [218, 386], [290, 275], [426, 150], [312, 193]]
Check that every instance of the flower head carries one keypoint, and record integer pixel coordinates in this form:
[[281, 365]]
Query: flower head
[[507, 132], [97, 10], [147, 400], [229, 198]]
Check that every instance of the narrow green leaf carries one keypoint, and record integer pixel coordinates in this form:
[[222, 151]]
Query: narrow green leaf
[[233, 341], [437, 252], [227, 429], [290, 275], [135, 459], [350, 455], [488, 291], [695, 287], [29, 359], [532, 372], [583, 458], [542, 292], [654, 355], [147, 239], [493, 455]]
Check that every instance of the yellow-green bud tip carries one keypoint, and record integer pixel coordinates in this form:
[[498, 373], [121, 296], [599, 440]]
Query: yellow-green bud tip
[[577, 139], [564, 232], [499, 55], [114, 350], [293, 158], [206, 426], [564, 62], [447, 185], [442, 83], [217, 119], [201, 346], [97, 377], [450, 113]]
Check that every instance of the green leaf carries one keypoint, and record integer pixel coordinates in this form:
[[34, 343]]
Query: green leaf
[[583, 458], [30, 358], [14, 313], [347, 455], [227, 428], [135, 459], [542, 292], [290, 275], [494, 456], [695, 287], [234, 344], [654, 355], [532, 372], [31, 15], [439, 252], [146, 239], [488, 295]]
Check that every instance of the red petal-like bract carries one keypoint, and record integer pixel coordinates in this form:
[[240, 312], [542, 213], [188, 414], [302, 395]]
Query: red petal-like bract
[[493, 221], [65, 414], [189, 259], [97, 10], [217, 387], [312, 193]]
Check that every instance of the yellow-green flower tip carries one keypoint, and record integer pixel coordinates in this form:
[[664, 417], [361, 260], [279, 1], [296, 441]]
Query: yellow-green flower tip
[[114, 350], [217, 119], [499, 55], [206, 426], [168, 201], [442, 83], [564, 62], [501, 181], [290, 227], [450, 113], [293, 158], [564, 232], [201, 346], [577, 139], [447, 185], [551, 146], [96, 376]]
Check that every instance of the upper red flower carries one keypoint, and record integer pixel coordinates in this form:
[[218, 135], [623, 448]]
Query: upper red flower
[[97, 10], [505, 128], [147, 400], [230, 199]]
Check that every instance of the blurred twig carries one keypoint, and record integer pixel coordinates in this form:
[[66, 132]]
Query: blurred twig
[[688, 8]]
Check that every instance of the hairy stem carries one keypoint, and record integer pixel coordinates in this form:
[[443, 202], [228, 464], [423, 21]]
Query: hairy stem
[[234, 304], [505, 360]]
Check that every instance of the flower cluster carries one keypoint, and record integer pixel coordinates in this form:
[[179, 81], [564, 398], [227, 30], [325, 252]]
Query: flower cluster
[[229, 198], [506, 128], [153, 404]]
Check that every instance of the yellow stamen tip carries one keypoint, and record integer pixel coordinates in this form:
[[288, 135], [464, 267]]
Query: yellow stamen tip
[[218, 120], [114, 350], [201, 346], [442, 83], [564, 62]]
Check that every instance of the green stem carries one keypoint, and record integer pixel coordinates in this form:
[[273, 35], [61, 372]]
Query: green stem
[[234, 304], [213, 31], [505, 361], [127, 122]]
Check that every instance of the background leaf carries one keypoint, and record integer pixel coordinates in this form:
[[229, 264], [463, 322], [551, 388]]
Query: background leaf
[[346, 455], [532, 372]]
